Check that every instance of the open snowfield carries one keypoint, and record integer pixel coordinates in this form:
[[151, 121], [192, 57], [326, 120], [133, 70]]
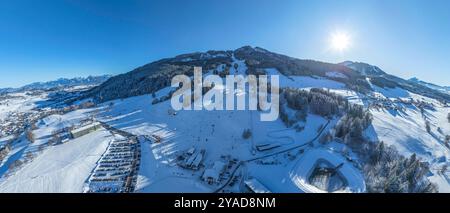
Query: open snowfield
[[21, 102], [42, 135], [305, 81], [60, 168]]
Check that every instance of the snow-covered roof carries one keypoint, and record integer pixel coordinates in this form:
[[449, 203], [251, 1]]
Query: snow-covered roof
[[83, 128], [191, 150], [256, 186], [191, 159], [197, 160]]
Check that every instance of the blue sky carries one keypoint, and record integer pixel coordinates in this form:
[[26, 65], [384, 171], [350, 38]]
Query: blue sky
[[47, 39]]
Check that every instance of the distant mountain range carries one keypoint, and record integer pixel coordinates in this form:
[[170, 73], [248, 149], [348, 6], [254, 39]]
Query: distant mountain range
[[61, 82], [445, 89]]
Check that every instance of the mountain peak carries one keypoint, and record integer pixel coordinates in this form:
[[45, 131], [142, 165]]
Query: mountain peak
[[249, 48], [363, 68], [414, 79]]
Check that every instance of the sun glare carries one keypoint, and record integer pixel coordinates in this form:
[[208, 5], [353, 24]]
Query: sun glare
[[340, 41]]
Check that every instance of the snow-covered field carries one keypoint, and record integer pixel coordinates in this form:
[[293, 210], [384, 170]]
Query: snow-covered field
[[405, 129], [305, 81], [19, 102], [60, 168]]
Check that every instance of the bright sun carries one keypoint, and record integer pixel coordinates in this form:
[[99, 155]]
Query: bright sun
[[340, 41]]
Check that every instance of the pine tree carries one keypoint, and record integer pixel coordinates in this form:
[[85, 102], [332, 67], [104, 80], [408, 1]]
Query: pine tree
[[427, 126], [246, 134]]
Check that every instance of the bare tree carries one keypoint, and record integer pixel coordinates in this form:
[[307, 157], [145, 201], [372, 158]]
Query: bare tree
[[15, 164], [30, 136]]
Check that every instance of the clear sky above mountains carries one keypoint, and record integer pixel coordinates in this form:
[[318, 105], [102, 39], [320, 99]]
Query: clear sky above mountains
[[48, 39]]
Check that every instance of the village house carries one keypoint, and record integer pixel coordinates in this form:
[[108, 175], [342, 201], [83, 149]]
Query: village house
[[84, 130]]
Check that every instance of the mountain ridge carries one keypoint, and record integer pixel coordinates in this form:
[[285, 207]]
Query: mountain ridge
[[156, 75], [445, 89], [60, 82]]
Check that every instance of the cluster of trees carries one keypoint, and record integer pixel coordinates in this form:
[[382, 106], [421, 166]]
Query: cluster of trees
[[385, 170], [28, 156], [383, 82], [317, 101], [224, 73], [154, 76], [351, 126], [4, 151], [15, 164], [388, 171], [422, 105]]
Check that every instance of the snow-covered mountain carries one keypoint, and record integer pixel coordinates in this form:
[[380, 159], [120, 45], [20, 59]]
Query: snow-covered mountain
[[382, 79], [364, 68], [444, 89], [157, 75], [60, 83], [348, 127]]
